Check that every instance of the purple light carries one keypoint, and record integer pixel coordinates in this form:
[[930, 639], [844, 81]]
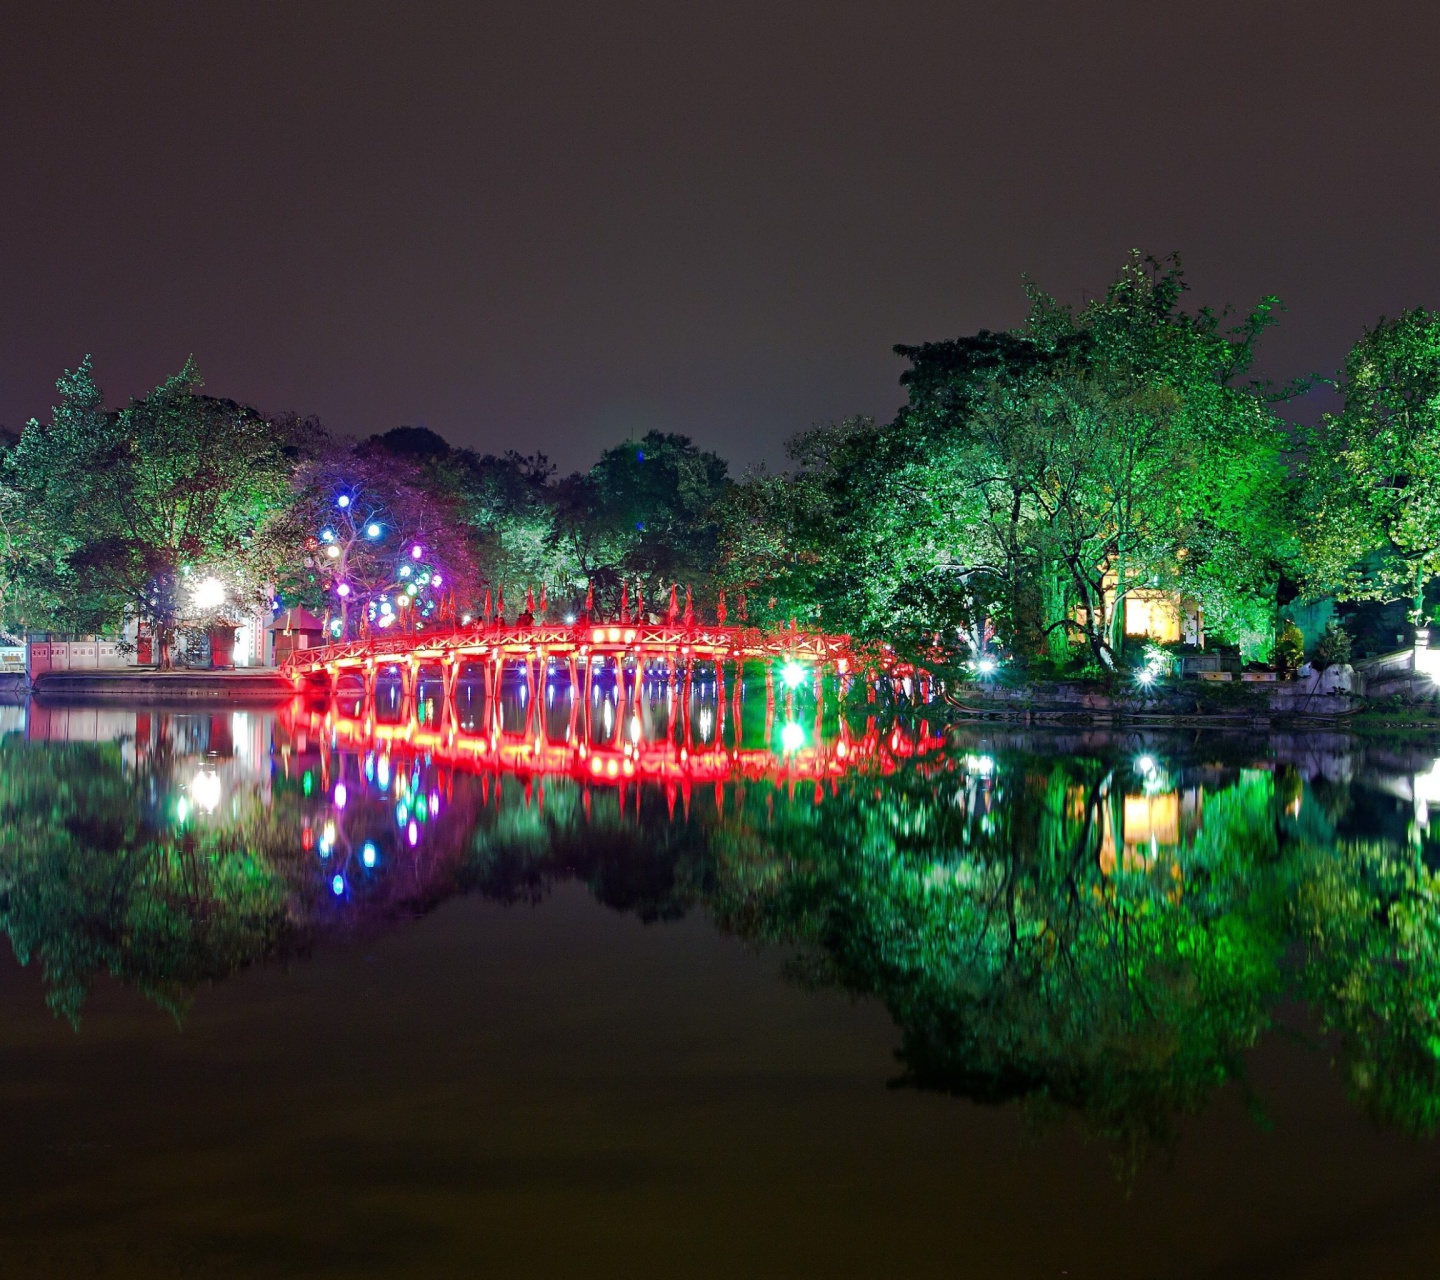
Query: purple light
[[341, 795], [416, 551], [437, 579], [413, 833], [343, 589]]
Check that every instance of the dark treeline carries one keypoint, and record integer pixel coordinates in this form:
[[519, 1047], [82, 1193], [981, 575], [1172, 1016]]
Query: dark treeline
[[1034, 480]]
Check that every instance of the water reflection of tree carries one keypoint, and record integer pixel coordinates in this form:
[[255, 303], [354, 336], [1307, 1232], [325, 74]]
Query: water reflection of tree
[[90, 885], [1057, 930], [1014, 966]]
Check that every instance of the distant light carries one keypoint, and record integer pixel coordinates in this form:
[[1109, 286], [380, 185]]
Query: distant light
[[1145, 676], [386, 620], [404, 570], [343, 589], [343, 501], [182, 809], [983, 765], [372, 530], [333, 551], [338, 884], [792, 737], [414, 834], [437, 579], [341, 795], [1145, 764], [416, 552], [327, 535], [367, 854], [793, 675], [434, 802], [569, 619], [635, 730], [986, 666], [402, 814]]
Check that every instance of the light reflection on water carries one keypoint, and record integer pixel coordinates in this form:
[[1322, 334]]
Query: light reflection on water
[[1103, 922]]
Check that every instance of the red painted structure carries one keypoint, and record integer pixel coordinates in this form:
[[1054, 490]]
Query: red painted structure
[[429, 667], [582, 647]]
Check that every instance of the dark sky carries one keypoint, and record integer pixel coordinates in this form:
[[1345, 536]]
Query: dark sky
[[549, 226]]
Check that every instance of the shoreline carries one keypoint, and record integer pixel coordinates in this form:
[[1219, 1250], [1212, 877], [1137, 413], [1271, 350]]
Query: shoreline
[[250, 686]]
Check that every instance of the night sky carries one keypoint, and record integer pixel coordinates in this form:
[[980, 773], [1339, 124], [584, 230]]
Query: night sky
[[552, 226]]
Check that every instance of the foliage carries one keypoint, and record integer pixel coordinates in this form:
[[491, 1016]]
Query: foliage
[[1332, 649], [114, 506], [645, 511], [356, 518], [1373, 528], [1031, 472], [1291, 647]]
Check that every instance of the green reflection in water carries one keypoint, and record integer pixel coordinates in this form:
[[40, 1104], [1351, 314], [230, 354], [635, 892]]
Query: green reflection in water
[[1081, 932]]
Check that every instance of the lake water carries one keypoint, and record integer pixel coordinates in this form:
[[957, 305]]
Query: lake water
[[710, 986]]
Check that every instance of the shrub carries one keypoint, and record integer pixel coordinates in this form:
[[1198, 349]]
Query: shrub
[[1332, 649]]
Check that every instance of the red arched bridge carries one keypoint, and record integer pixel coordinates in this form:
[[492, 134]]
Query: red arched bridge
[[586, 648]]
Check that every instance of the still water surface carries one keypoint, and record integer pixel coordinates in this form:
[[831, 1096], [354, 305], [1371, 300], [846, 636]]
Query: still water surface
[[674, 986]]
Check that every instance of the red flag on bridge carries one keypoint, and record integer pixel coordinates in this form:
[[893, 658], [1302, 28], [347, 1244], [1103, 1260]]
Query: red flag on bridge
[[673, 611], [720, 613], [689, 618]]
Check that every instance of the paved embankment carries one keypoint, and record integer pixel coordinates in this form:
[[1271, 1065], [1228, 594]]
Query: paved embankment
[[164, 686], [1083, 702]]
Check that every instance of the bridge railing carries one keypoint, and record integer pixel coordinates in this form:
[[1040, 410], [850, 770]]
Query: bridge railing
[[560, 640]]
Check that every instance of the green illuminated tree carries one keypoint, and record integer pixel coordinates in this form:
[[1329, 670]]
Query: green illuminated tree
[[645, 510], [1374, 469], [115, 505]]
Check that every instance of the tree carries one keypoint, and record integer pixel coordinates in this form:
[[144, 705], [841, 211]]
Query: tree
[[116, 505], [369, 541], [646, 510], [1374, 469], [1035, 478]]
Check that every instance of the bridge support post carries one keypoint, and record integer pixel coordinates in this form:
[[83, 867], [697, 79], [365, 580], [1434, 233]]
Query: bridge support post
[[719, 713], [739, 703], [685, 703], [622, 697]]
